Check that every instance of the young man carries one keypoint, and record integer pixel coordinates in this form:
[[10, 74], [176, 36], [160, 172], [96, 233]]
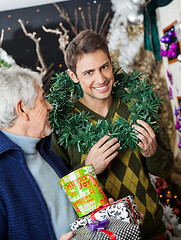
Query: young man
[[121, 173], [32, 204]]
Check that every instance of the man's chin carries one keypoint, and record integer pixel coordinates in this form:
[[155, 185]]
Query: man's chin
[[47, 132]]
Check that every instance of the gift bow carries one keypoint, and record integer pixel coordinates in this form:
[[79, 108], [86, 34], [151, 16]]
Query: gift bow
[[98, 225], [101, 225]]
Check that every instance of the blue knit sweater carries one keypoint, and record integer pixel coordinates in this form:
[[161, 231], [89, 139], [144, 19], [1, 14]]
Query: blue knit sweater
[[23, 210]]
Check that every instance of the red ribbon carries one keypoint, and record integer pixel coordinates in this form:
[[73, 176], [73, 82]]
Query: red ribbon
[[111, 235], [108, 204], [131, 208], [98, 209]]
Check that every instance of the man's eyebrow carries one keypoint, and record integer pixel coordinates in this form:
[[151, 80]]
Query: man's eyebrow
[[88, 70], [105, 63]]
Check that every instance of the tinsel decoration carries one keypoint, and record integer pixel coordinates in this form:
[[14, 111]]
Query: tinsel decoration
[[4, 64], [75, 128]]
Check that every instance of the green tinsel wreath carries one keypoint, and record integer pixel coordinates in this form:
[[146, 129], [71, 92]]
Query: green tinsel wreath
[[75, 128]]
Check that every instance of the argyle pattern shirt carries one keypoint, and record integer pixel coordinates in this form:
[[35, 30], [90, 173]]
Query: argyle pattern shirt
[[128, 173], [125, 176]]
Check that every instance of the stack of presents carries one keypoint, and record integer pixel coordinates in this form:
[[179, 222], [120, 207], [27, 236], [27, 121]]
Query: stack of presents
[[99, 219]]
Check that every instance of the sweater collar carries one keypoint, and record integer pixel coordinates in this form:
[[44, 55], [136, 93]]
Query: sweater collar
[[6, 143], [27, 144], [110, 113]]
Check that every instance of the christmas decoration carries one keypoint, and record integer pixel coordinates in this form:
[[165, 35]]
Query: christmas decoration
[[169, 77], [83, 18], [124, 39], [171, 42], [179, 57], [4, 64], [42, 68], [63, 39], [136, 16], [171, 221], [5, 59], [75, 128], [171, 203], [177, 26], [170, 93], [74, 26], [177, 123]]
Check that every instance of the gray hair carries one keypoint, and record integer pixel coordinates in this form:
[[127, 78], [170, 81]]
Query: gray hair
[[16, 83]]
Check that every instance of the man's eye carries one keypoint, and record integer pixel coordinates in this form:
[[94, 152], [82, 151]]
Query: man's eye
[[105, 66], [88, 73]]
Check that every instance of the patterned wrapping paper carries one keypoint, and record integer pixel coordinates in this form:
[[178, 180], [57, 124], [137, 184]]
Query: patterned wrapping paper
[[124, 209], [82, 189], [116, 230]]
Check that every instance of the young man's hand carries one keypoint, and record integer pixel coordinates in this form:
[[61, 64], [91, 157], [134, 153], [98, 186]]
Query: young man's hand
[[67, 236], [102, 153], [147, 138]]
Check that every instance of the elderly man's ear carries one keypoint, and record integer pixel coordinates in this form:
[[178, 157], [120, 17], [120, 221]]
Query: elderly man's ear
[[20, 109]]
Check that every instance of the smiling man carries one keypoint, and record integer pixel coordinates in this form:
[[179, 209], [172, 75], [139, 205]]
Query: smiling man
[[96, 79], [120, 173]]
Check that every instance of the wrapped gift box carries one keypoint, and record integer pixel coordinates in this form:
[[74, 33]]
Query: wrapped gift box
[[115, 230], [124, 209]]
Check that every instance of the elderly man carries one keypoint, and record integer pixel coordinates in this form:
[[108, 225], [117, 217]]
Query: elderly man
[[32, 204]]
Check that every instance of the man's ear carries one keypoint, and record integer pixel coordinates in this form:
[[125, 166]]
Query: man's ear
[[72, 76], [20, 110]]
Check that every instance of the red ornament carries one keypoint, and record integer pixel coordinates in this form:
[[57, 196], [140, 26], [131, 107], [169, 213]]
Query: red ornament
[[158, 191], [176, 211], [169, 195], [161, 183], [178, 202]]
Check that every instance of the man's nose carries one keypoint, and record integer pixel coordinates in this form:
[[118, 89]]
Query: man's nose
[[100, 77], [49, 106]]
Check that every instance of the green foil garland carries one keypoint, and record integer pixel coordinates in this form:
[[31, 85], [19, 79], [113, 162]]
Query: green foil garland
[[76, 129]]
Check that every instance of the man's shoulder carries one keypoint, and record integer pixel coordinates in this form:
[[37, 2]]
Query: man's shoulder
[[6, 143]]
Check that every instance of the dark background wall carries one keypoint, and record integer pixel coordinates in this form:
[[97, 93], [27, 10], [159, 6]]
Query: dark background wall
[[22, 48]]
